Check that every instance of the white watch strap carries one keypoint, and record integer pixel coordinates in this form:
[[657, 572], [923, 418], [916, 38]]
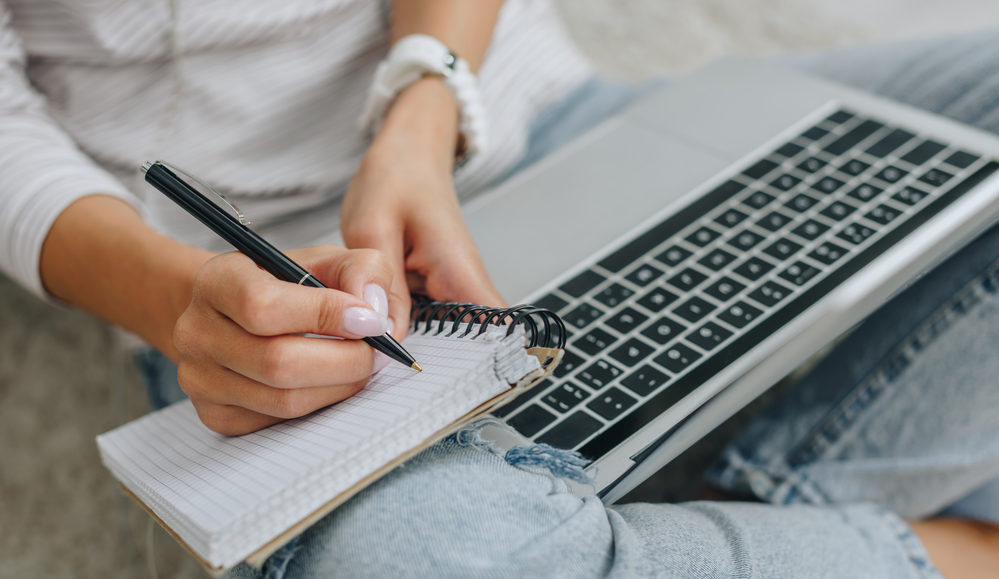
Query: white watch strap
[[411, 58]]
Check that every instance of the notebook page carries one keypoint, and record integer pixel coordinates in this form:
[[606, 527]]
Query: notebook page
[[224, 496]]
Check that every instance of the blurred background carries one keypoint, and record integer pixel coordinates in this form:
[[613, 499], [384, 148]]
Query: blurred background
[[64, 377]]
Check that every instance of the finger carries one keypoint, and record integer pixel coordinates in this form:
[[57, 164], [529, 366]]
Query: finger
[[263, 305], [221, 387], [288, 361], [389, 242]]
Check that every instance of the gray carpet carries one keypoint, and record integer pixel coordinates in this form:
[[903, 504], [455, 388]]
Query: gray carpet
[[63, 379]]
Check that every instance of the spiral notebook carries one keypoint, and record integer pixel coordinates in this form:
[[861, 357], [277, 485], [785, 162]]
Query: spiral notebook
[[230, 499]]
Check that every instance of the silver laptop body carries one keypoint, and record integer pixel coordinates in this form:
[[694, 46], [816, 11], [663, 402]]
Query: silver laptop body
[[663, 157]]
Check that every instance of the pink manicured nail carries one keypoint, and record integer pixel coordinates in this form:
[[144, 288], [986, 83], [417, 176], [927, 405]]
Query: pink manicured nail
[[376, 298], [364, 322]]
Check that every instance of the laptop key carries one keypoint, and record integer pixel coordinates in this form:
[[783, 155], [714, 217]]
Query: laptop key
[[837, 210], [853, 137], [865, 192], [582, 283], [961, 159], [570, 362], [565, 397], [760, 169], [883, 214], [811, 165], [645, 380], [739, 314], [758, 199], [799, 273], [754, 268], [910, 195], [576, 428], [827, 253], [677, 358], [789, 150], [644, 275], [810, 229], [889, 143], [923, 152], [595, 341], [693, 309], [611, 404], [935, 177], [745, 240], [774, 221], [770, 293], [717, 259], [702, 236], [531, 420], [632, 352], [599, 374], [687, 279], [782, 249], [801, 203], [724, 289], [814, 134], [839, 117], [890, 174], [827, 185], [709, 335], [730, 218], [613, 295], [673, 256], [854, 167], [551, 302], [662, 330], [626, 320], [657, 299], [855, 233], [582, 315], [785, 182]]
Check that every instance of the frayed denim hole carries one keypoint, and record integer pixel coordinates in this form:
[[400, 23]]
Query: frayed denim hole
[[471, 435], [277, 564], [565, 464]]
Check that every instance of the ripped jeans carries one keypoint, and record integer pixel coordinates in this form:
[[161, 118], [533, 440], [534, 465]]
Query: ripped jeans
[[897, 422]]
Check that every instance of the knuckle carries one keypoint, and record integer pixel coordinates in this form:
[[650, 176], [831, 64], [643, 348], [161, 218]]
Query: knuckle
[[290, 404], [221, 419], [255, 304], [276, 364], [329, 312]]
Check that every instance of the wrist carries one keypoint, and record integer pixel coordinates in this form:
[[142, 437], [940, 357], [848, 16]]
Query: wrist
[[422, 124]]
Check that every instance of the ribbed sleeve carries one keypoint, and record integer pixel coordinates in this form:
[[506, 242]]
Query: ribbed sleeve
[[41, 169]]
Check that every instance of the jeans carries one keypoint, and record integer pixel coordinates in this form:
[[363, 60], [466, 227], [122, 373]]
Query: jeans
[[896, 422]]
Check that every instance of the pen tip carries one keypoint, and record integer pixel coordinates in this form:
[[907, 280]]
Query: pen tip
[[416, 367]]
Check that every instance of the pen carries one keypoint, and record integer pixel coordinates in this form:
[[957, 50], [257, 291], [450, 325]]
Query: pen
[[252, 245]]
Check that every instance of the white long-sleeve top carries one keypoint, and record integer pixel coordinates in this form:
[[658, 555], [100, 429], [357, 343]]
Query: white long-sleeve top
[[259, 99]]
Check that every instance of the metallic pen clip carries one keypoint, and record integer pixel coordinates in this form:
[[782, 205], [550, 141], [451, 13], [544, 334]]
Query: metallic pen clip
[[239, 214]]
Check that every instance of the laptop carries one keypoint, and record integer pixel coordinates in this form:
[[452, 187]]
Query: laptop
[[712, 237]]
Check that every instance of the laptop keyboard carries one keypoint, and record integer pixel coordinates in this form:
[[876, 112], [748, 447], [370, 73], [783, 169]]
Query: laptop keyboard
[[660, 316]]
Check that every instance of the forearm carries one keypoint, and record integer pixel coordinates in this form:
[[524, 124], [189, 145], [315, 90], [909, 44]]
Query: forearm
[[100, 256], [424, 113], [466, 27]]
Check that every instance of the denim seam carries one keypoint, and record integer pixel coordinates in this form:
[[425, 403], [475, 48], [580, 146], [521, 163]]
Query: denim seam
[[855, 405], [914, 549]]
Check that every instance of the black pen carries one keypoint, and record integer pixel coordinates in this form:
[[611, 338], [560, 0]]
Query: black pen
[[252, 245]]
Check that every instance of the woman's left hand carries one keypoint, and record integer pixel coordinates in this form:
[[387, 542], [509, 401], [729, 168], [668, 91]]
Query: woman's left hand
[[402, 201]]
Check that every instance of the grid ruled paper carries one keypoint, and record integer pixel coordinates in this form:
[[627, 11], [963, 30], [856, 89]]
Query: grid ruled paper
[[227, 496]]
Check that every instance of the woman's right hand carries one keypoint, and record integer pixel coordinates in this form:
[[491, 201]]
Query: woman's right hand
[[242, 356]]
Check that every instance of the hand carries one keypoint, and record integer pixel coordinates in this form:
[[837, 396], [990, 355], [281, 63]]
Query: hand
[[402, 201], [242, 358]]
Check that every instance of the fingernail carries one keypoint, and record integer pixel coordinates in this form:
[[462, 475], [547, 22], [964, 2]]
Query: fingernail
[[376, 298], [364, 322]]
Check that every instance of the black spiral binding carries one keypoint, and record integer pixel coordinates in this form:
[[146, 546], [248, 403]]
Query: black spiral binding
[[543, 327]]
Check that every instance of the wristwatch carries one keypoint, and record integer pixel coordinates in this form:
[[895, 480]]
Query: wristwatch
[[410, 59]]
